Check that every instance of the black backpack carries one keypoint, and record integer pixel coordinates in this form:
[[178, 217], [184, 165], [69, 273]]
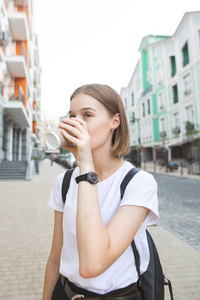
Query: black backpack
[[152, 281]]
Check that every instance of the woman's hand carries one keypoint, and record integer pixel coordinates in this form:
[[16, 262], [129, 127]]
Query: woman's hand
[[79, 137]]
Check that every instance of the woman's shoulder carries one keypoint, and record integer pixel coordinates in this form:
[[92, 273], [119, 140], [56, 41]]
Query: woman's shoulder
[[140, 174], [60, 177], [142, 179]]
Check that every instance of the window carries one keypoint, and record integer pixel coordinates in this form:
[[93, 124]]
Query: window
[[149, 130], [175, 94], [185, 54], [161, 101], [148, 107], [162, 128], [189, 113], [132, 118], [173, 65], [176, 120], [189, 124], [176, 123], [162, 123], [132, 97], [143, 109], [187, 84]]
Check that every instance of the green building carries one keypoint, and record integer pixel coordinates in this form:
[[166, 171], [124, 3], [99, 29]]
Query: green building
[[162, 99]]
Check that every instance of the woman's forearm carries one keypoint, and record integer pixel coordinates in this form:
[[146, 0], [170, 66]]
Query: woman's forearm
[[51, 277], [92, 236]]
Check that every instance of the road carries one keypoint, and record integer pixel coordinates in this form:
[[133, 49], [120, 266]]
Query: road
[[179, 205]]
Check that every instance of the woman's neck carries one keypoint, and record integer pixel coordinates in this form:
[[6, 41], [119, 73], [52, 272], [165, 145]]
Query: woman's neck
[[106, 165]]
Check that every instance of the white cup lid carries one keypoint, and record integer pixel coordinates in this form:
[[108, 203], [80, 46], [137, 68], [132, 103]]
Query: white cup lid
[[52, 140]]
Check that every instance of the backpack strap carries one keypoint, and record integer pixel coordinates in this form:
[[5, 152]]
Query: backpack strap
[[126, 180], [137, 263], [123, 186], [66, 182]]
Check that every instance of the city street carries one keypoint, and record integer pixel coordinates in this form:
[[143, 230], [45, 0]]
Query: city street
[[179, 205], [26, 225]]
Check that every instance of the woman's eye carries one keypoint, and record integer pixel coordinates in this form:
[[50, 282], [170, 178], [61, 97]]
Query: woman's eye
[[72, 116], [87, 115]]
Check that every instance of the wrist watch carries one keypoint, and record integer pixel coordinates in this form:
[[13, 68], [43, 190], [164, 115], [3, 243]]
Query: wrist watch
[[91, 177]]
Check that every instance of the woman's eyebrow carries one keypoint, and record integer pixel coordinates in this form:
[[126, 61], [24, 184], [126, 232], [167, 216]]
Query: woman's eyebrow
[[88, 108], [85, 108]]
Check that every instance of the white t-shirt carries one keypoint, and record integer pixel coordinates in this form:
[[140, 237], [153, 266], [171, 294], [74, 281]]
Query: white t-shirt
[[141, 191]]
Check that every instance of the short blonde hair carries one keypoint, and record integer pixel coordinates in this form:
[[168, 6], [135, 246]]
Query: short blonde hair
[[114, 105]]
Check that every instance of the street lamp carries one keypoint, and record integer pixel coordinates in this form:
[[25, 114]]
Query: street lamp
[[133, 120]]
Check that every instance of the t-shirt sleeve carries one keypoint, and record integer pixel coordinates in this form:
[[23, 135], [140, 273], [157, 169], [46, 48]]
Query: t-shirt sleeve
[[142, 191], [55, 201]]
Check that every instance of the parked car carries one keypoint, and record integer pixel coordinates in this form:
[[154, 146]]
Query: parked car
[[69, 161], [173, 165]]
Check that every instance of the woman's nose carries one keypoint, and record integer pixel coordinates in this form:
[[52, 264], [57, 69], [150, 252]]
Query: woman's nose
[[79, 116]]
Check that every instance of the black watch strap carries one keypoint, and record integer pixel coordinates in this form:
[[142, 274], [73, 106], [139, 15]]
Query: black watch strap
[[91, 177], [82, 177]]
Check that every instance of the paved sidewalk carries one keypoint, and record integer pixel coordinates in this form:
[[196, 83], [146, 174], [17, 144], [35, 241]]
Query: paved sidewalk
[[150, 167], [26, 225]]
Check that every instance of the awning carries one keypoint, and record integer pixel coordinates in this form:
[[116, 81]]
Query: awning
[[174, 143]]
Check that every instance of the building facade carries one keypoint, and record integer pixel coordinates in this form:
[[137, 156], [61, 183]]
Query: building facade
[[162, 99], [20, 125]]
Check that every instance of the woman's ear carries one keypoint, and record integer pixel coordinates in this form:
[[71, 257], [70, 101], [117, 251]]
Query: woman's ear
[[115, 122]]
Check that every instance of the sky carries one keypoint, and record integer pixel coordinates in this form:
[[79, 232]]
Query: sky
[[96, 41]]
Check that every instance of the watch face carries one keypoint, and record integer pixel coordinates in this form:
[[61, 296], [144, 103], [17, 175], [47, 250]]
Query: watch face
[[93, 177]]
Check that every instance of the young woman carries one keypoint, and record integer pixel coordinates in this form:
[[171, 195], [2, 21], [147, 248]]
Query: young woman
[[91, 255]]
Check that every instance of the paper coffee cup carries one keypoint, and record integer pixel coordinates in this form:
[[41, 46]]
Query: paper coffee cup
[[55, 139]]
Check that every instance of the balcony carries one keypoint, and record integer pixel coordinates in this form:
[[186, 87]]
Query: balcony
[[17, 113], [17, 95], [14, 107], [163, 134], [17, 66], [20, 2], [147, 90], [189, 126], [187, 92], [18, 26], [176, 130]]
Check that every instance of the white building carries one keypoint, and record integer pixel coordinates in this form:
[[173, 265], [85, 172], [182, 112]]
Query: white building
[[162, 98]]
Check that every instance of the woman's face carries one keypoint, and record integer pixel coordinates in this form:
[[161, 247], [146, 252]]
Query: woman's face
[[99, 122]]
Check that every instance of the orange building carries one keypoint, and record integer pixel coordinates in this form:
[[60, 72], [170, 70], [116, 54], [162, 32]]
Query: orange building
[[20, 134]]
